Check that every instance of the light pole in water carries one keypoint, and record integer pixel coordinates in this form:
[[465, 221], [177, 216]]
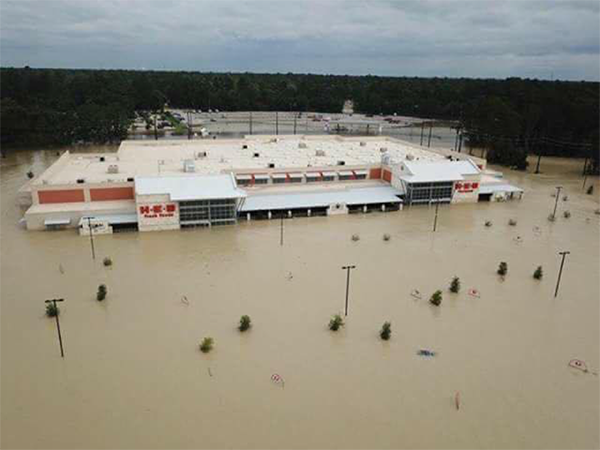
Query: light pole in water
[[347, 269], [53, 301], [281, 232], [91, 237], [437, 205], [562, 263], [558, 189]]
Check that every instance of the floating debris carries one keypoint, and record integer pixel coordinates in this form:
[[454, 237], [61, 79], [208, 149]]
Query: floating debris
[[488, 223], [537, 231], [355, 237], [278, 379], [457, 400], [580, 365], [474, 293], [30, 175], [107, 261], [518, 239], [567, 214], [61, 269], [425, 352], [185, 300], [512, 222], [290, 276], [416, 294], [209, 372], [565, 198], [386, 237]]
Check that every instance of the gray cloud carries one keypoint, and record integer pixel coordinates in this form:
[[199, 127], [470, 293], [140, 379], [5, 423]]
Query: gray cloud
[[412, 38]]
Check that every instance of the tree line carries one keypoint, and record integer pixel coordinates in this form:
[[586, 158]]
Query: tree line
[[511, 117]]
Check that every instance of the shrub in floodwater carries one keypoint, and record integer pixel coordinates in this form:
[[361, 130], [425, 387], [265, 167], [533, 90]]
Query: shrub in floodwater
[[245, 323], [502, 269], [565, 198], [597, 211], [355, 237], [30, 175], [488, 223], [101, 294], [336, 322], [207, 344], [386, 331], [107, 261], [512, 222], [539, 273], [386, 237], [551, 218], [567, 214], [590, 190], [455, 285], [52, 310], [436, 298]]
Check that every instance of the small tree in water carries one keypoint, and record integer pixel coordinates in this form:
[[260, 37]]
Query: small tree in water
[[539, 273], [386, 331], [455, 285], [502, 269], [590, 190], [52, 310], [245, 323], [436, 298], [336, 322], [207, 344], [101, 294]]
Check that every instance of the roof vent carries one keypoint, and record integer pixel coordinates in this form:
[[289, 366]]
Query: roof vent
[[271, 165], [383, 149], [202, 154], [256, 155], [302, 145], [410, 157], [320, 153], [363, 144], [245, 146], [341, 163], [113, 168], [102, 159], [130, 179], [80, 180]]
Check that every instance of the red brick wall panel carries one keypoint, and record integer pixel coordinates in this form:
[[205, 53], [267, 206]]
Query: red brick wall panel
[[387, 176], [116, 193], [375, 174], [61, 196]]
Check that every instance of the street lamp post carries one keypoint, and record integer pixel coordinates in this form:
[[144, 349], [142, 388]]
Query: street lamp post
[[347, 269], [91, 237], [562, 263], [558, 189], [53, 301]]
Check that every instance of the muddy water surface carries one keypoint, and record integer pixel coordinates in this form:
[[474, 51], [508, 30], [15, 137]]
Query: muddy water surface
[[133, 376]]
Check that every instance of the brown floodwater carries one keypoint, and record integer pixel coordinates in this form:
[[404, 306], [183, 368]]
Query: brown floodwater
[[133, 376]]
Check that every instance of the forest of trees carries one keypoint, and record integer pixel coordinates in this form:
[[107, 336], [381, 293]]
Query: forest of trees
[[512, 117]]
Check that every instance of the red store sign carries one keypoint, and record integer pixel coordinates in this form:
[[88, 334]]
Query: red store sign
[[155, 211], [466, 187]]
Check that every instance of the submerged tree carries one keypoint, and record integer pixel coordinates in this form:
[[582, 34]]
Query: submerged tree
[[455, 285], [207, 344], [502, 269], [101, 294], [336, 322], [386, 331], [436, 298], [539, 273], [52, 310], [245, 323]]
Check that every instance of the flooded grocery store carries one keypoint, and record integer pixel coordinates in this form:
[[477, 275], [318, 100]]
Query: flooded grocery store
[[491, 367]]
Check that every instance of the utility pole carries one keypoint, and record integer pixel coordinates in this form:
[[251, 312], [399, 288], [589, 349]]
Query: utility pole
[[189, 124], [347, 269], [281, 233], [437, 205], [91, 237], [295, 119], [429, 139], [277, 122], [562, 263], [558, 188], [460, 141], [155, 129], [456, 140], [422, 129], [250, 122], [53, 301]]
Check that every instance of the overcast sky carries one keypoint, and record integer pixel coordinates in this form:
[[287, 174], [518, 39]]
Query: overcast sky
[[535, 39]]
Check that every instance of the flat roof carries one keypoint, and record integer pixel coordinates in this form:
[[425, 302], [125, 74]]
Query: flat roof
[[316, 199], [137, 158], [492, 188], [189, 187]]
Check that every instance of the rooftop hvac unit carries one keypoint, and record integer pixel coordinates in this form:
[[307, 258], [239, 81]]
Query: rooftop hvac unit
[[302, 145], [320, 153], [112, 168], [202, 154], [80, 180], [385, 159], [189, 166], [341, 163], [244, 146], [410, 157], [363, 144], [271, 165], [256, 155], [102, 159], [383, 149]]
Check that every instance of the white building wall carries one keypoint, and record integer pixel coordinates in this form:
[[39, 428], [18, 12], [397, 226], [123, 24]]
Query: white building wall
[[157, 213], [467, 190]]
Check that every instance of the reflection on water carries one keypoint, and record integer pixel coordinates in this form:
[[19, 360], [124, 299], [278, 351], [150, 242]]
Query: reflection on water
[[133, 376]]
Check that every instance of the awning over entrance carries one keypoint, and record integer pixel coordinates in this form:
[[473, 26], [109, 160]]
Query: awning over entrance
[[493, 188], [112, 219], [301, 200], [56, 222]]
